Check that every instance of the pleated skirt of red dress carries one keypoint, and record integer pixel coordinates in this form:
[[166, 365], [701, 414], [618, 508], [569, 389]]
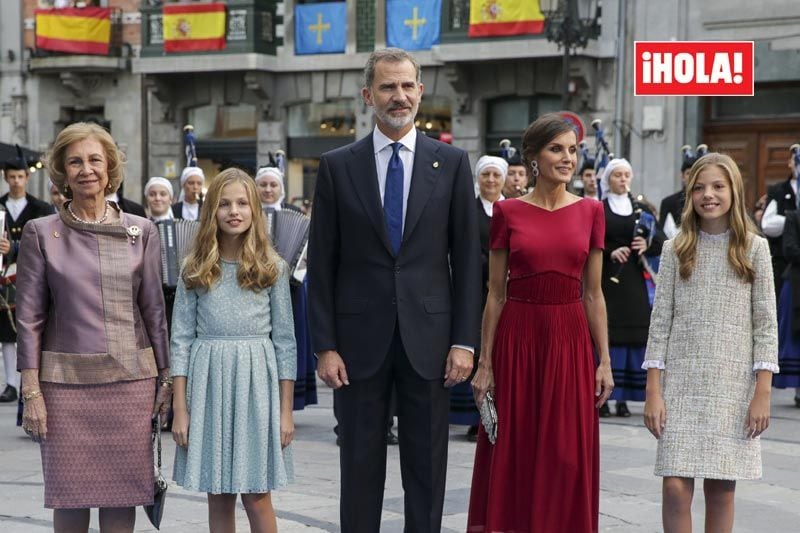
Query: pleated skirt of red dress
[[542, 475]]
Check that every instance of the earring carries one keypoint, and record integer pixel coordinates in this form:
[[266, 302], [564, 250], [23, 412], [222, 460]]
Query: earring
[[534, 169]]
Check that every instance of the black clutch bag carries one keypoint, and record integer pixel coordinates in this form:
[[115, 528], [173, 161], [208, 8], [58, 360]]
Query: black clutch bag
[[156, 510]]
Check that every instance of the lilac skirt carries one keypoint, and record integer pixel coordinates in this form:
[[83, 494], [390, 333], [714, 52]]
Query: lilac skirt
[[98, 451]]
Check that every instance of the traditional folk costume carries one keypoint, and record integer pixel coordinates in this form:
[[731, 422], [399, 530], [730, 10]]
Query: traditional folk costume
[[188, 210], [18, 212], [789, 309], [626, 295], [781, 200], [463, 410]]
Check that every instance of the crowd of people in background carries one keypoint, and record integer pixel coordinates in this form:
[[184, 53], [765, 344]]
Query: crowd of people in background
[[693, 309]]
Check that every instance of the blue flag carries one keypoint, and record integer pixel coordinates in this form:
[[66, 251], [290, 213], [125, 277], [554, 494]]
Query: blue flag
[[320, 28], [413, 24]]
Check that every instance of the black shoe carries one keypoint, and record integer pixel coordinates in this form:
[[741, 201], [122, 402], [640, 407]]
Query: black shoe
[[605, 412], [797, 401], [622, 410], [472, 434], [9, 395], [337, 440], [391, 438]]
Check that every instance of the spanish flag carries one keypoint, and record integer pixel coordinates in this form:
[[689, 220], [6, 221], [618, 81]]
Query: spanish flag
[[77, 31], [194, 27], [493, 18]]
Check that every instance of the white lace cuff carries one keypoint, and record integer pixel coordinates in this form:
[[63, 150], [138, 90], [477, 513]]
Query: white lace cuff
[[763, 365], [653, 363]]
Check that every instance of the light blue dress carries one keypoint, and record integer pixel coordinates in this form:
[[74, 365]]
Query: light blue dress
[[233, 346]]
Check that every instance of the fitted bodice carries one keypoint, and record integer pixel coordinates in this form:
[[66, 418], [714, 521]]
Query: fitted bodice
[[547, 249]]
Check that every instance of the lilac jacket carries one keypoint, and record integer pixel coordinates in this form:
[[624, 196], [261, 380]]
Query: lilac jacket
[[90, 308]]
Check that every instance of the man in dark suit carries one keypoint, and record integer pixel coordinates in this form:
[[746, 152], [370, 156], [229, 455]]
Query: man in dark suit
[[781, 200], [394, 284], [20, 207]]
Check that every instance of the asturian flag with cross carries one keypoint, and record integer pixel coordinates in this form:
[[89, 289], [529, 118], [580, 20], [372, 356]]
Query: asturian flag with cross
[[413, 24], [320, 28]]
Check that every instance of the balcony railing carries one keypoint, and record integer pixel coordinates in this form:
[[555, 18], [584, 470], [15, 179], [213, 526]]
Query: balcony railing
[[116, 46], [250, 28]]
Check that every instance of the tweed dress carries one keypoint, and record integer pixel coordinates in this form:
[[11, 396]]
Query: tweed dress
[[234, 346], [710, 334]]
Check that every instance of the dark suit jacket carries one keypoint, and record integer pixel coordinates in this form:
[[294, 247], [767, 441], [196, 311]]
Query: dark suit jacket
[[35, 209], [129, 206], [359, 290], [672, 204]]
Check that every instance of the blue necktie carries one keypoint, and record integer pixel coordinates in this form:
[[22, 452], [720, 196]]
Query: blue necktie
[[393, 198]]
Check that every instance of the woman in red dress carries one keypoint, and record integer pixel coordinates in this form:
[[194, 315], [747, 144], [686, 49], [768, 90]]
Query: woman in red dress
[[545, 319]]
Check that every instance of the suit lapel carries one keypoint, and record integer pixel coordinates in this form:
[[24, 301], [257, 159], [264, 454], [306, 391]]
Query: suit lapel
[[427, 168], [364, 177]]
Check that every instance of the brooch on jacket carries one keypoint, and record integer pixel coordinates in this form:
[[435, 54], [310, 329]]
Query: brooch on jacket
[[134, 231]]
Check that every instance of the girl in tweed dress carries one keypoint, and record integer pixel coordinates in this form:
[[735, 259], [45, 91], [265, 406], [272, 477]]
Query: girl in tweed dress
[[234, 348], [712, 349]]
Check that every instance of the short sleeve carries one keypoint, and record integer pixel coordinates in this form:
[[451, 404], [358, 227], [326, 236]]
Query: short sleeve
[[598, 238], [499, 234]]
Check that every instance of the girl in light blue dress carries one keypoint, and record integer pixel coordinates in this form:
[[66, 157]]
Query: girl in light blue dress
[[234, 360]]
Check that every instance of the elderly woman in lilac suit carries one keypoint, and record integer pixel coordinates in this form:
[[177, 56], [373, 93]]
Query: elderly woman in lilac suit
[[92, 339]]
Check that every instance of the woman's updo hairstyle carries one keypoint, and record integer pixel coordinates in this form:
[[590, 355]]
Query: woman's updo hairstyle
[[542, 131]]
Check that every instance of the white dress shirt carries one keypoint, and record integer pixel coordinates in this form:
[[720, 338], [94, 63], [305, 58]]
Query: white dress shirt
[[771, 222], [190, 211], [383, 153], [14, 206]]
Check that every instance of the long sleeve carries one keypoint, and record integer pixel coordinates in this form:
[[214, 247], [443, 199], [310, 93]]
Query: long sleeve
[[791, 238], [772, 223], [184, 329], [33, 299], [663, 309], [283, 327], [323, 262], [765, 322], [465, 260], [151, 298]]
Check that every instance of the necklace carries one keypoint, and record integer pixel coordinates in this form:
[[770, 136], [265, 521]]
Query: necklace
[[79, 219]]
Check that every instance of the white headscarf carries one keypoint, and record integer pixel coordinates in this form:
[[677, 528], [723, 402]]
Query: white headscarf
[[164, 182], [275, 174], [487, 161], [187, 172], [619, 203], [610, 168], [159, 182]]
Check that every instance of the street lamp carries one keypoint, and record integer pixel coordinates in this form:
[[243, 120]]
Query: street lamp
[[570, 24]]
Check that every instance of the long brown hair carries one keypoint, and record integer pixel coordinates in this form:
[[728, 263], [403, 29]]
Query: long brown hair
[[741, 227], [258, 262]]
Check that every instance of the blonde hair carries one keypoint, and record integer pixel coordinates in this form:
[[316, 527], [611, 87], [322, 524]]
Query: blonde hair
[[741, 227], [80, 131], [259, 264]]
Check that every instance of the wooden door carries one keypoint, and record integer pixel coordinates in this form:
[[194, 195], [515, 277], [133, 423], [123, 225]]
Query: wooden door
[[743, 148]]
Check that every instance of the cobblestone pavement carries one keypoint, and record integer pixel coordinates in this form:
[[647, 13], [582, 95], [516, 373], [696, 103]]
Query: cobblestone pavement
[[629, 499]]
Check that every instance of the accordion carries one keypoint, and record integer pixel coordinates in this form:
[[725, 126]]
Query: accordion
[[176, 240], [288, 231]]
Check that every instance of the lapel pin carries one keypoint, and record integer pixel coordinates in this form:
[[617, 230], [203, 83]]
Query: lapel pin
[[435, 164], [56, 234], [788, 196]]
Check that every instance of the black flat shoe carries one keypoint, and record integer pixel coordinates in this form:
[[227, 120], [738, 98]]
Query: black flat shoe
[[605, 412], [622, 410], [797, 401], [472, 434], [391, 438], [9, 395]]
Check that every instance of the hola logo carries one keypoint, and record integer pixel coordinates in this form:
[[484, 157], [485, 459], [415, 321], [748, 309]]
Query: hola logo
[[693, 68]]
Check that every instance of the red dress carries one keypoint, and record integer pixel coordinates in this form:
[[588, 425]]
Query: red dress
[[542, 475]]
